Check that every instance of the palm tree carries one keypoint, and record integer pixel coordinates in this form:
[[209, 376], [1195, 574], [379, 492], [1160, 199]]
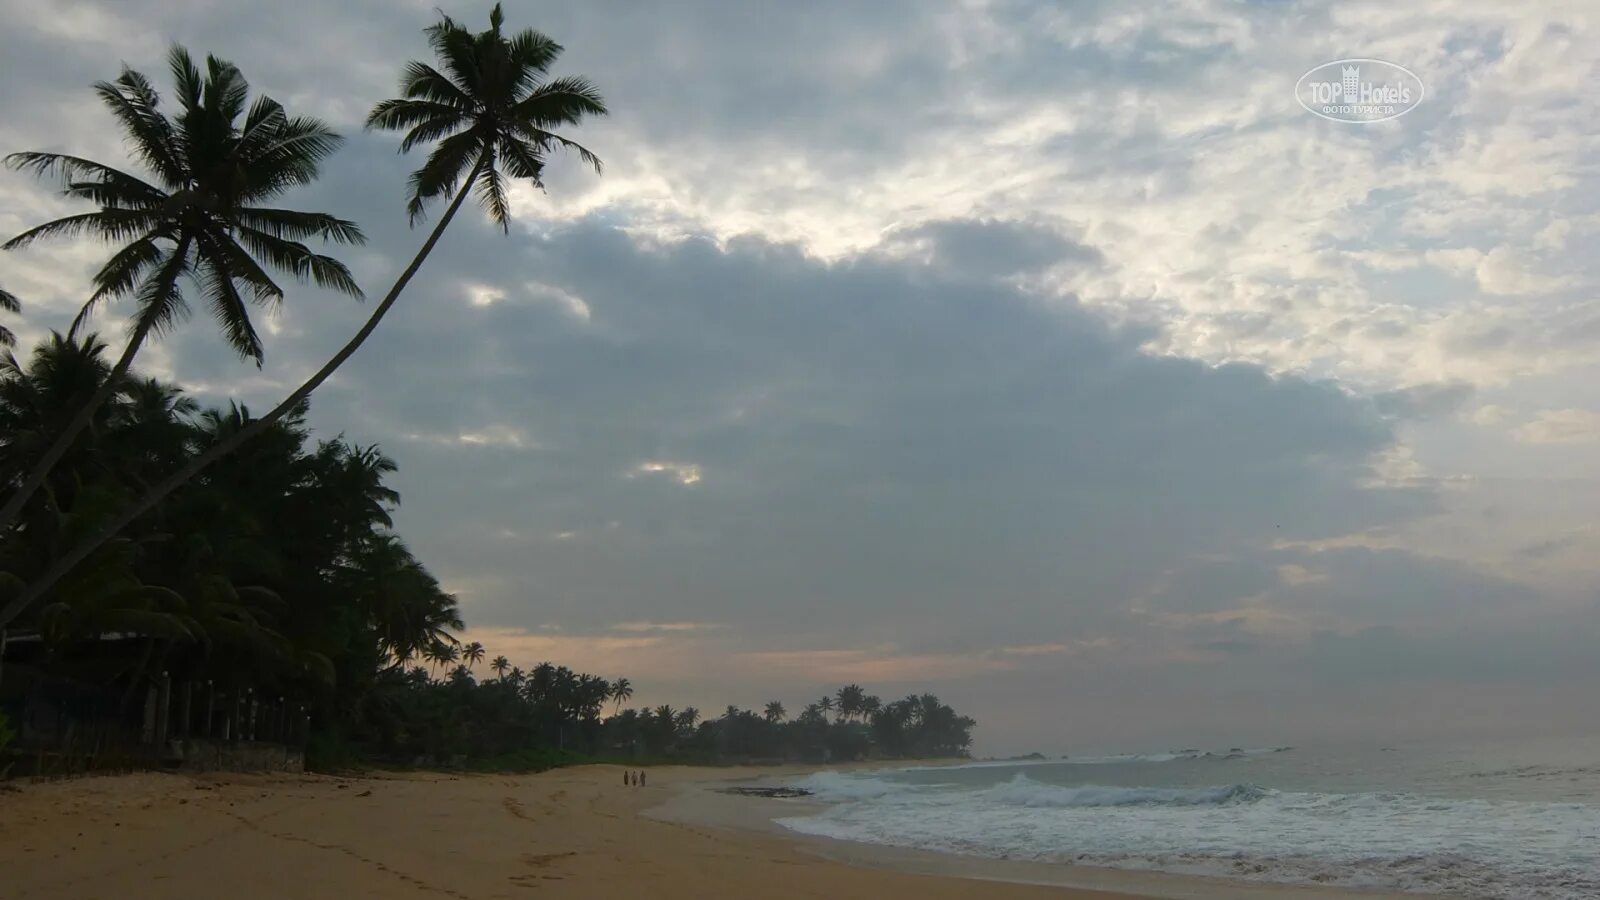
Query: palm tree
[[687, 718], [472, 654], [848, 701], [621, 692], [870, 704], [774, 712], [499, 667], [10, 304], [492, 116], [203, 219]]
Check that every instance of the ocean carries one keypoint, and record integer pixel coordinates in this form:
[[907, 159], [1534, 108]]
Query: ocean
[[1509, 820]]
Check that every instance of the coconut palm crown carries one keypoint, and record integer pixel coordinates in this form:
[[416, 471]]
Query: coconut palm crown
[[206, 214], [491, 110]]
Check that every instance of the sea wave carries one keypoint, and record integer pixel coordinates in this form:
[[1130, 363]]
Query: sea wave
[[1024, 791], [838, 786], [1503, 849], [1177, 755]]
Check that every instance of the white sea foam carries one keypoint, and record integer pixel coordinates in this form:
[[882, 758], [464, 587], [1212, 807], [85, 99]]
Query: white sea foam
[[1169, 756], [1397, 841], [1023, 791], [838, 786]]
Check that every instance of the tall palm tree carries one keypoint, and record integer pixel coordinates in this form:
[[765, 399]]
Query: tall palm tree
[[499, 666], [492, 111], [204, 218], [774, 712], [472, 654], [621, 692]]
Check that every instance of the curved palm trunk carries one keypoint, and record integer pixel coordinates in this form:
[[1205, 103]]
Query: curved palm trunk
[[222, 448]]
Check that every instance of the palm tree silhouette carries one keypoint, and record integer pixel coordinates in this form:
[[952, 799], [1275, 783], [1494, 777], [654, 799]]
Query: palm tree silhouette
[[621, 692], [492, 116], [472, 654], [848, 701], [499, 667], [203, 219], [774, 712]]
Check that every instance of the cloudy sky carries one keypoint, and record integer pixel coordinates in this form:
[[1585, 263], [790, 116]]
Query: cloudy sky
[[1047, 356]]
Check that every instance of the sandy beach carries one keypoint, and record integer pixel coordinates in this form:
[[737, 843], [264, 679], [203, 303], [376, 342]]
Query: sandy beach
[[575, 833]]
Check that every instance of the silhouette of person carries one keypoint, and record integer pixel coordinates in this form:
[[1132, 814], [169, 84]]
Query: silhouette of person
[[641, 779], [627, 777]]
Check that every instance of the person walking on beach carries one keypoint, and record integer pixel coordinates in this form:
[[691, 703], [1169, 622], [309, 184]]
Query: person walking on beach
[[641, 779], [627, 777]]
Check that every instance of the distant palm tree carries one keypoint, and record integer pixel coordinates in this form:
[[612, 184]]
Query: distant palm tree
[[848, 701], [686, 720], [492, 111], [825, 704], [472, 654], [203, 219], [870, 704], [621, 692], [774, 712], [499, 667]]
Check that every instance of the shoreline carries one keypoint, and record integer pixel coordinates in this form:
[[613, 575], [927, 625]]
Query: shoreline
[[572, 832], [698, 803]]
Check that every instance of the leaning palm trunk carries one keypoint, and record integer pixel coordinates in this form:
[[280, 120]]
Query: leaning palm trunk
[[78, 554]]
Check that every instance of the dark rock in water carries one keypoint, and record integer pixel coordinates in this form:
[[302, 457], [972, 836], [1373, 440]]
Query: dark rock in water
[[778, 792]]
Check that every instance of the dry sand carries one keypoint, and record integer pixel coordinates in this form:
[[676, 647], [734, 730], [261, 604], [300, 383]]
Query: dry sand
[[572, 833]]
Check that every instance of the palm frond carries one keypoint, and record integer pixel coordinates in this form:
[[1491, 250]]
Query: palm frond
[[135, 104], [445, 167], [226, 90], [243, 267], [160, 303], [110, 224], [295, 225], [426, 120], [523, 160], [291, 158], [228, 308], [492, 192], [119, 276], [420, 81], [458, 49], [533, 53], [74, 169], [295, 257], [9, 302]]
